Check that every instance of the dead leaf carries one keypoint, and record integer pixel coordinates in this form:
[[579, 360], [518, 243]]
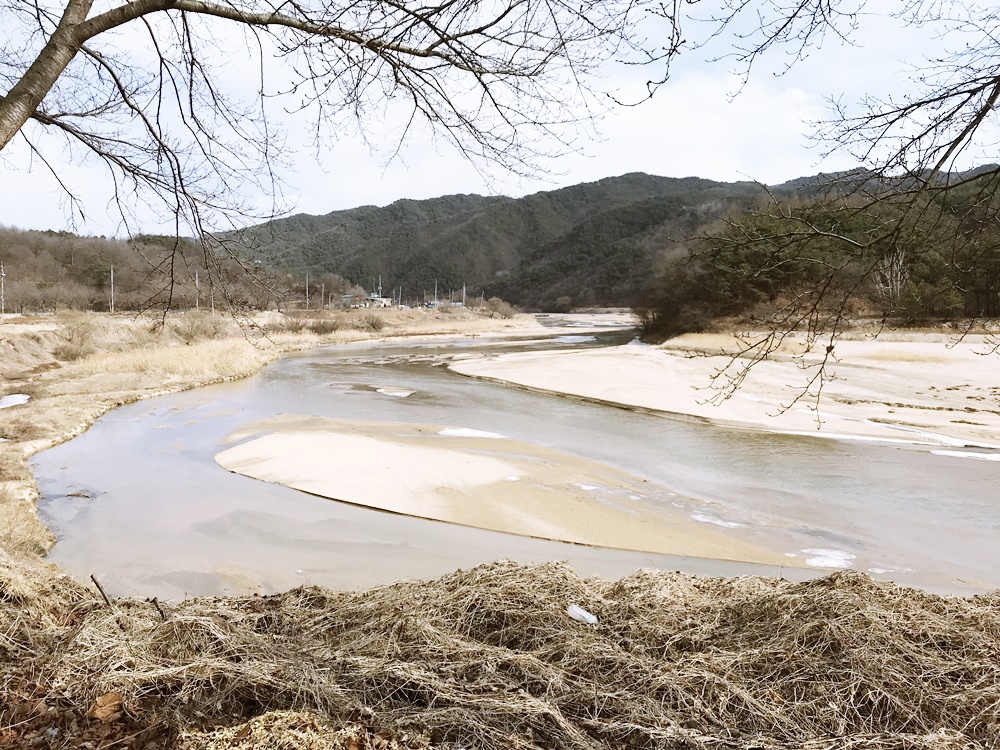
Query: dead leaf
[[243, 733], [105, 706]]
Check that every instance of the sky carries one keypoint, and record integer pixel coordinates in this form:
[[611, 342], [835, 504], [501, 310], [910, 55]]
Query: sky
[[701, 123]]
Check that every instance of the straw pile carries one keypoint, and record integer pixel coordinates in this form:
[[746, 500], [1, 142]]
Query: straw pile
[[488, 658]]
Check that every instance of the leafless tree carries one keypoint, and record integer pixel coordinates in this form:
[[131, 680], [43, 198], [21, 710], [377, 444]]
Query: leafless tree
[[913, 187], [147, 86]]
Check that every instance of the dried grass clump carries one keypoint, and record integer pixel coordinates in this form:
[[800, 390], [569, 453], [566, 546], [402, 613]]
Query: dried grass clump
[[36, 606], [196, 326], [80, 333], [326, 326], [370, 322], [283, 730], [488, 658], [207, 359]]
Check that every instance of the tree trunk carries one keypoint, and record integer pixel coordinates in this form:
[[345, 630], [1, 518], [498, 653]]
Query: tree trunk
[[23, 99]]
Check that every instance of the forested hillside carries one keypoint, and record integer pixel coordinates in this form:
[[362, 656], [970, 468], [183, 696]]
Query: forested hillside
[[686, 251], [902, 253], [583, 245], [56, 270]]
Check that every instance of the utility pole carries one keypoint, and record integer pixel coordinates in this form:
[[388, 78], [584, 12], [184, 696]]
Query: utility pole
[[322, 295], [435, 292], [463, 295], [307, 290], [197, 291], [3, 301], [112, 290]]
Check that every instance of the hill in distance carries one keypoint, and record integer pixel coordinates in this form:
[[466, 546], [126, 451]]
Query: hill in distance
[[589, 244]]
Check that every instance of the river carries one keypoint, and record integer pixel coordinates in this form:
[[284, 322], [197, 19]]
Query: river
[[139, 501]]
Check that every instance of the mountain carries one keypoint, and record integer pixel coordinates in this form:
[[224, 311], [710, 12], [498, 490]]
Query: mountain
[[592, 243]]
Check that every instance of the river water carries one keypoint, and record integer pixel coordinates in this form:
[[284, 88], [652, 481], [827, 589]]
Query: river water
[[139, 501]]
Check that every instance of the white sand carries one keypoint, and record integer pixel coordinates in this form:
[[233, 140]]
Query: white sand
[[927, 389], [488, 482]]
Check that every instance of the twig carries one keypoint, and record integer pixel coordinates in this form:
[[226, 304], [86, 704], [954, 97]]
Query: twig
[[100, 588], [159, 609], [107, 600]]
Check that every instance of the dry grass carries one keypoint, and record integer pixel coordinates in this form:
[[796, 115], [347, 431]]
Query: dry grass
[[488, 658], [224, 358], [194, 326]]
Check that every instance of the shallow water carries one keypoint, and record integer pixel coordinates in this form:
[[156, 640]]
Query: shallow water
[[139, 501]]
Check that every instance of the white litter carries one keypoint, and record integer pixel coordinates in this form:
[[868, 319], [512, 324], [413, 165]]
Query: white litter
[[15, 399], [580, 614]]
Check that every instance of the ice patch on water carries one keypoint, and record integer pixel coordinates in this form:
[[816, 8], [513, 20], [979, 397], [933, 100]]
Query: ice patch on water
[[969, 454], [467, 432], [512, 479], [397, 392], [577, 339], [586, 487], [747, 397], [828, 558], [954, 442], [846, 436], [705, 518], [877, 571], [14, 399]]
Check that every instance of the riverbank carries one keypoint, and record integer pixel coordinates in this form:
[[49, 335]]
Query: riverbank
[[58, 374], [489, 657], [923, 387]]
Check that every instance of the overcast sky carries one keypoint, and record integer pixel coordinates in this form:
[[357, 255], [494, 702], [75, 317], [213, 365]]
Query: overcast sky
[[693, 126]]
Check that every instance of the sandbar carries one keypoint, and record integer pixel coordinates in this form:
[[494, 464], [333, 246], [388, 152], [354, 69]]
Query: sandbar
[[927, 388], [455, 475]]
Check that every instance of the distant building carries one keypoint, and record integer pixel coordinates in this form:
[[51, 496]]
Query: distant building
[[372, 300]]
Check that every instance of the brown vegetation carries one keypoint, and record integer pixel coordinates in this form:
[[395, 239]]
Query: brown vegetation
[[489, 658]]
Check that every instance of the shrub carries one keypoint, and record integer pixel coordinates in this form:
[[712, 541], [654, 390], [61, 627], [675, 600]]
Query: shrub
[[292, 323], [371, 322], [325, 326], [497, 308], [195, 326], [78, 334]]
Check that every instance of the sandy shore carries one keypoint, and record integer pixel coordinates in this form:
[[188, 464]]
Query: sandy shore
[[925, 389], [475, 479]]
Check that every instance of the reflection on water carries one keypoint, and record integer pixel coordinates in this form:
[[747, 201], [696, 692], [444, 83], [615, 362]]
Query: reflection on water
[[139, 500]]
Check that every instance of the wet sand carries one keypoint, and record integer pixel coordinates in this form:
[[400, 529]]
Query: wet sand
[[476, 479]]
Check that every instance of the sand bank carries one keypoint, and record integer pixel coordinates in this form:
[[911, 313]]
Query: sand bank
[[476, 479], [925, 389]]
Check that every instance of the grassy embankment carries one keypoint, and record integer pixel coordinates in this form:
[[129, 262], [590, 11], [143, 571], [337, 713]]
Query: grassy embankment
[[484, 658]]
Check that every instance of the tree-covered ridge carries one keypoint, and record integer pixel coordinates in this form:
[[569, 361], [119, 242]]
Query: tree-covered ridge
[[811, 264], [592, 243]]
